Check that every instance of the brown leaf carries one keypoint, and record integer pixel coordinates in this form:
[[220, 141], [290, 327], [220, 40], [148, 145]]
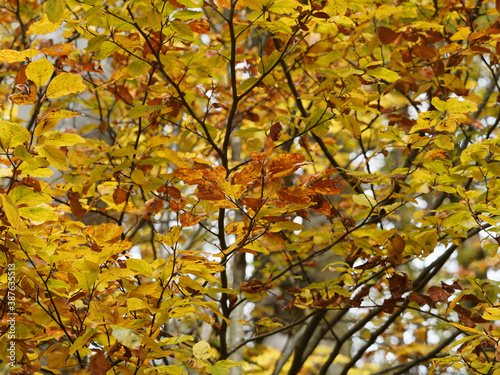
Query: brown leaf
[[121, 93], [438, 294], [75, 205], [176, 4], [253, 203], [397, 248], [398, 284], [371, 263], [420, 299], [98, 364], [174, 192], [323, 15], [295, 194], [327, 187], [275, 131], [424, 52], [320, 205], [154, 205], [21, 76], [386, 35], [119, 195], [177, 206], [255, 286], [438, 68], [209, 191]]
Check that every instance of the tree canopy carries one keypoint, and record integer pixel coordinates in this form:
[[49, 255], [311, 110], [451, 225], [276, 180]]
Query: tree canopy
[[184, 180]]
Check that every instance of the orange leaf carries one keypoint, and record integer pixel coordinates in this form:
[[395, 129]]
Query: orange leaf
[[250, 173], [188, 220], [199, 26], [284, 164], [208, 191], [253, 203], [321, 205], [59, 50], [268, 150], [295, 194], [187, 175], [176, 207]]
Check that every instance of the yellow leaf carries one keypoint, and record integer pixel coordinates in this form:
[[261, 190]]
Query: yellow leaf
[[364, 200], [12, 134], [39, 71], [171, 238], [201, 350], [137, 176], [461, 34], [43, 26], [126, 337], [54, 156], [232, 191], [11, 56], [272, 241], [44, 126], [55, 9], [65, 84], [467, 329], [11, 211], [491, 313], [63, 139], [384, 74], [38, 213]]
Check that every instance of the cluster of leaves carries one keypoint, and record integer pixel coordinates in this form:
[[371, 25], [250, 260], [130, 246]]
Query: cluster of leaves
[[183, 180]]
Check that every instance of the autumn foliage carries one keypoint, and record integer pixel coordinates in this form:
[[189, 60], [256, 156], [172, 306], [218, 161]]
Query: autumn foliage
[[184, 180]]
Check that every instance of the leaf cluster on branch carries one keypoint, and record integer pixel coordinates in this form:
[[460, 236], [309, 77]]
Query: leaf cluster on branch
[[249, 187]]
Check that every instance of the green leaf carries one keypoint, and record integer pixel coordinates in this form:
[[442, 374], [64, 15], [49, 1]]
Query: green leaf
[[221, 367], [138, 68]]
